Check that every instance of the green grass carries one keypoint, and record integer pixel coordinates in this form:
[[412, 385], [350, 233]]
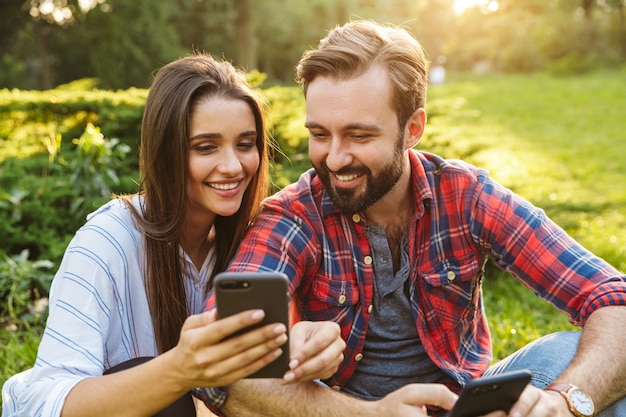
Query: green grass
[[559, 142]]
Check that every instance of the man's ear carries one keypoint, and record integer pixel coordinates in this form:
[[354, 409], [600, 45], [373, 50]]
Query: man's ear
[[415, 126]]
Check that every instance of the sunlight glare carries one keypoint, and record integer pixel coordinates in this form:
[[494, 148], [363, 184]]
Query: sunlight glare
[[487, 5]]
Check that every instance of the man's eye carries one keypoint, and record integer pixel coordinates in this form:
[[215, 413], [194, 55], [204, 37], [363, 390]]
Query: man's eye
[[318, 135], [360, 136]]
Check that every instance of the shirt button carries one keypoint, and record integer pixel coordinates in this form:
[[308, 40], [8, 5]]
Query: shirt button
[[370, 308], [367, 260], [451, 276], [342, 299], [358, 357], [336, 388], [356, 218]]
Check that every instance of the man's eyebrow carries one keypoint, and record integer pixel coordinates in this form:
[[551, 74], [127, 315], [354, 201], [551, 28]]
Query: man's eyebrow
[[362, 126], [354, 126], [313, 125]]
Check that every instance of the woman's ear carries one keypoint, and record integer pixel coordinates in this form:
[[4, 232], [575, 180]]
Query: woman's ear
[[415, 127]]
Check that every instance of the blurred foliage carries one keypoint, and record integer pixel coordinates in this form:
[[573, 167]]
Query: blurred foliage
[[22, 283], [122, 42], [46, 194], [32, 117]]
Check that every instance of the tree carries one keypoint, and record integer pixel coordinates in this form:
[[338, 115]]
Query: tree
[[246, 41]]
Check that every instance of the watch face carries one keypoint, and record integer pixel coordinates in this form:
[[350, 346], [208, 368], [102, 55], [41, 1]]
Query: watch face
[[581, 402]]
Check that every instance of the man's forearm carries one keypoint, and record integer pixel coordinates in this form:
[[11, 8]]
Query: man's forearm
[[600, 362], [267, 397]]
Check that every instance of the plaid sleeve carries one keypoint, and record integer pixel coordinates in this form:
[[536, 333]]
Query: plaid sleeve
[[214, 398], [525, 242]]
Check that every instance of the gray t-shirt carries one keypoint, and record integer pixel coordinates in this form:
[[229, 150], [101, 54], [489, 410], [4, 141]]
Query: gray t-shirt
[[393, 355]]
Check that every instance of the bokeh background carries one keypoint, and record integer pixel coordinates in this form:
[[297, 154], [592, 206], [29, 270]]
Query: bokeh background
[[45, 43]]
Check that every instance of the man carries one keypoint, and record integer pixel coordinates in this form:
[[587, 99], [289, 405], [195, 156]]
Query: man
[[390, 243]]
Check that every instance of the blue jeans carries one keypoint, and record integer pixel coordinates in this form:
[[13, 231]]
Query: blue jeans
[[547, 358]]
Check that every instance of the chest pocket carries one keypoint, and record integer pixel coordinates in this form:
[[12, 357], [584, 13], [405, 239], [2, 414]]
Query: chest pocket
[[340, 293], [451, 291], [331, 299]]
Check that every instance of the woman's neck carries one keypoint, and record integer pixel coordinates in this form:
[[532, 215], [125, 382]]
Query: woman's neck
[[197, 242]]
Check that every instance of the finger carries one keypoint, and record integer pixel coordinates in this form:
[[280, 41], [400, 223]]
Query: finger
[[235, 371], [232, 365], [323, 365], [222, 328], [432, 394], [258, 342], [308, 339], [529, 399], [198, 320]]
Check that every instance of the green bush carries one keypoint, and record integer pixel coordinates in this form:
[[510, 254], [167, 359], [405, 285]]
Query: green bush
[[47, 198], [30, 118], [22, 283]]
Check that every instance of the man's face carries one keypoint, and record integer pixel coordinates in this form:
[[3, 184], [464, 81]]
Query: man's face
[[355, 143]]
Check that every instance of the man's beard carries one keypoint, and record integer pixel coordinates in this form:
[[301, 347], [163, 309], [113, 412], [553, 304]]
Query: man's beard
[[347, 200]]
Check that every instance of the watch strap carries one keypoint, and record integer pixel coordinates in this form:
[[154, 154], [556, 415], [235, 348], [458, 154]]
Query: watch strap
[[559, 387], [564, 390]]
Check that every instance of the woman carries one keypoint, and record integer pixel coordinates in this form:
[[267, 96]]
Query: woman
[[121, 301]]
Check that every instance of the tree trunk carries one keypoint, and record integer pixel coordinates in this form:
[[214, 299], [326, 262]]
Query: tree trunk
[[587, 8], [41, 32], [245, 35]]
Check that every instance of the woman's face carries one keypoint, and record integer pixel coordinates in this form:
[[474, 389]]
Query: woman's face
[[223, 157]]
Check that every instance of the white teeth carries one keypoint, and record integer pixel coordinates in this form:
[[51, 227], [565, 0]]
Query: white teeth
[[346, 177], [230, 186]]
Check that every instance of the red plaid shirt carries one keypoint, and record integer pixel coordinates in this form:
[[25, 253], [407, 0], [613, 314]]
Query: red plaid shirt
[[461, 217]]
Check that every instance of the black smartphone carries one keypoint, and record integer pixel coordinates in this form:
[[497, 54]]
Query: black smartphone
[[490, 393], [269, 291]]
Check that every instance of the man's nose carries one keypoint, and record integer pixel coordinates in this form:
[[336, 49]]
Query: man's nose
[[338, 156]]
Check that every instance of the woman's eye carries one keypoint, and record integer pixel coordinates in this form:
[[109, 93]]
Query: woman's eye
[[205, 148], [247, 145]]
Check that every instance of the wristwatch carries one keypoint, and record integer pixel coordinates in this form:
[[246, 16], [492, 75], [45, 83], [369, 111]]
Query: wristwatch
[[579, 403]]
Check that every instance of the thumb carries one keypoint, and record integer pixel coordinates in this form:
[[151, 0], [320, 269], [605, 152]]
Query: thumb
[[199, 320]]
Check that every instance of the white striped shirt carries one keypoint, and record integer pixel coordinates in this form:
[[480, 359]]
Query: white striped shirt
[[99, 315]]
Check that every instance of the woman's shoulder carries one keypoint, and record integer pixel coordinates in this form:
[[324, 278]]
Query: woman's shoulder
[[112, 222]]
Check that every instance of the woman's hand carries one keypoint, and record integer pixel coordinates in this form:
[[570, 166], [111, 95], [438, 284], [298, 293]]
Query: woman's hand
[[204, 357], [316, 351]]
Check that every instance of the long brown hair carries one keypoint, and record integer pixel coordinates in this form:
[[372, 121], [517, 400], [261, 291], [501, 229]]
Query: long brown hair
[[175, 91]]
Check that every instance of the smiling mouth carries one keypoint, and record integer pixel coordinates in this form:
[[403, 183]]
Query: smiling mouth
[[225, 187], [346, 177]]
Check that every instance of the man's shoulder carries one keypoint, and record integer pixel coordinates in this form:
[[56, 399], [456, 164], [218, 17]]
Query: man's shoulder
[[433, 163], [307, 188]]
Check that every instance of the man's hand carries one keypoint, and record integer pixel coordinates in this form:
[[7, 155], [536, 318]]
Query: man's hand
[[411, 400], [316, 351], [537, 403]]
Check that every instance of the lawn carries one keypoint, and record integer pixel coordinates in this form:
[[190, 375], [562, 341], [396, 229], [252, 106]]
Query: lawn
[[559, 142]]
